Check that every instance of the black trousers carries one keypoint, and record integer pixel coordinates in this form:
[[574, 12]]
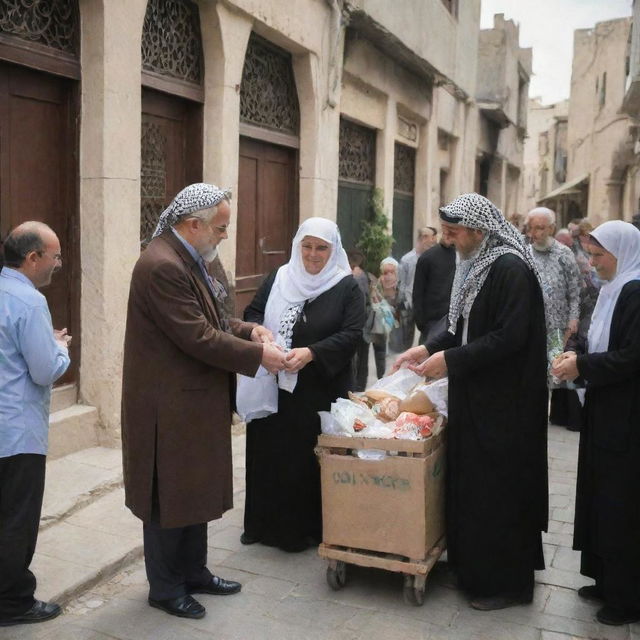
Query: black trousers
[[175, 559], [21, 491]]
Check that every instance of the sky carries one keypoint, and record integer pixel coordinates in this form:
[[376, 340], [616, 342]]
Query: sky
[[548, 26]]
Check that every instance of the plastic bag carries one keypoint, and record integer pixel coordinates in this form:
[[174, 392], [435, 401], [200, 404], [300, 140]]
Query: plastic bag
[[330, 426], [398, 384], [438, 392], [371, 454], [384, 319], [256, 397], [347, 412]]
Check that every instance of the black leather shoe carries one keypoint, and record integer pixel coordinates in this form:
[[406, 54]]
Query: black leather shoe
[[218, 587], [497, 602], [39, 612], [183, 607], [591, 592], [616, 617]]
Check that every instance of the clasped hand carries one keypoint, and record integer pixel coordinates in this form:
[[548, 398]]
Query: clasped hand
[[62, 337], [565, 366]]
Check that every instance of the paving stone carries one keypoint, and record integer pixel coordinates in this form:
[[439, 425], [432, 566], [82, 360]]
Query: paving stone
[[567, 560], [559, 500], [566, 515], [560, 578], [73, 480], [121, 522], [227, 538]]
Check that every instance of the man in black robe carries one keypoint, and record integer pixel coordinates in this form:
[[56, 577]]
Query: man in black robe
[[432, 286], [495, 356]]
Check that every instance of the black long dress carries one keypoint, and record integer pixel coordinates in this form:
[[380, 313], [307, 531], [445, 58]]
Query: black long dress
[[607, 523], [283, 506], [497, 488]]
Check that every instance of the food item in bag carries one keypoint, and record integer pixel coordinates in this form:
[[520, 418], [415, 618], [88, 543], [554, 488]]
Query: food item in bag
[[387, 409], [376, 395], [358, 399], [417, 402], [409, 425], [358, 425]]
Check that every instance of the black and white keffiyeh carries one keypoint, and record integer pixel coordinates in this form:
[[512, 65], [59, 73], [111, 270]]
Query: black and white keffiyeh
[[195, 197], [477, 212]]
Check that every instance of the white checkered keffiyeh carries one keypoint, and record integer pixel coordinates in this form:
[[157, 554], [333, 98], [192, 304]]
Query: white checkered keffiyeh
[[477, 212], [195, 197]]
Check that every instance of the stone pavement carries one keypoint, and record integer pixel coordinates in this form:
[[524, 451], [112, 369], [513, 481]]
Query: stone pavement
[[285, 596]]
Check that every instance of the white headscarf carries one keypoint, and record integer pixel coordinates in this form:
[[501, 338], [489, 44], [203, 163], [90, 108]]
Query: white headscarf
[[621, 239], [293, 286]]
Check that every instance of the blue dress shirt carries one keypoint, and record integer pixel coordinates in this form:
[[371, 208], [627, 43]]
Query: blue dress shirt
[[30, 362]]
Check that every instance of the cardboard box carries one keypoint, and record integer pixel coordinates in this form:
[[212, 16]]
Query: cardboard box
[[394, 505]]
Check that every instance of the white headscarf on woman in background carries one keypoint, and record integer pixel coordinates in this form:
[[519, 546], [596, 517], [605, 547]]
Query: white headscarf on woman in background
[[622, 240], [292, 288]]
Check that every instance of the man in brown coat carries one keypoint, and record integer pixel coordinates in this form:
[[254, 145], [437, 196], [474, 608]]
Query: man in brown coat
[[180, 356]]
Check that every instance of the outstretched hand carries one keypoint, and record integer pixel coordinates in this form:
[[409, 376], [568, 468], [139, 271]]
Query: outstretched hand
[[261, 334], [410, 357], [272, 358], [433, 367]]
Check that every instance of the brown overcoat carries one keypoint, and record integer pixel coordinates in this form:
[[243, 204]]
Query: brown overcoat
[[178, 385]]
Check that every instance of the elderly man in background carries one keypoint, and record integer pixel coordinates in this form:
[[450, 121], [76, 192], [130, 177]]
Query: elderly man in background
[[494, 356], [180, 355], [33, 357], [561, 286], [426, 238]]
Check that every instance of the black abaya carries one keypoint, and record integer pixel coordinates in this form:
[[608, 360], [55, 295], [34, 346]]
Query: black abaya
[[283, 505], [607, 523]]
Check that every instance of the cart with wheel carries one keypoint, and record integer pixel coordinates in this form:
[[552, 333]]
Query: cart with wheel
[[383, 510]]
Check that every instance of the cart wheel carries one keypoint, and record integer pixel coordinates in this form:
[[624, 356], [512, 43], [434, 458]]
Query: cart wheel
[[337, 576], [412, 594]]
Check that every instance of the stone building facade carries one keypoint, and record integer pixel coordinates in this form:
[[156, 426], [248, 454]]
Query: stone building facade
[[504, 69], [302, 108], [545, 151], [601, 176]]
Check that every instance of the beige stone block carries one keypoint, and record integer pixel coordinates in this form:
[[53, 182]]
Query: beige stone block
[[71, 429]]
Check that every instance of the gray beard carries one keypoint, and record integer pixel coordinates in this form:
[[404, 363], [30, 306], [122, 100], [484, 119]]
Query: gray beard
[[210, 255], [543, 246]]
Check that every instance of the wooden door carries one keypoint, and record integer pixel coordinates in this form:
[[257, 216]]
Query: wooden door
[[267, 210], [354, 207], [171, 150], [38, 169]]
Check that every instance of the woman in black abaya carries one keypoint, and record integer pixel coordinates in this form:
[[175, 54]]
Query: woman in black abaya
[[315, 308], [607, 524]]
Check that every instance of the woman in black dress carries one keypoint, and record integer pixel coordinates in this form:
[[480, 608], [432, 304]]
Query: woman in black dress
[[607, 523], [315, 309]]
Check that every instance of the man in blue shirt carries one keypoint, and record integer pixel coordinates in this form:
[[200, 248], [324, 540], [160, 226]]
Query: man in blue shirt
[[32, 357]]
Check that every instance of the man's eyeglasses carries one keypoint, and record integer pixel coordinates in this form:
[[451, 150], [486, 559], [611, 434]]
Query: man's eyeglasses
[[56, 256]]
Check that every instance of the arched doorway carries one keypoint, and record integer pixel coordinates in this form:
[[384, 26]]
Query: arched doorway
[[39, 70], [356, 172], [172, 97], [267, 176]]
